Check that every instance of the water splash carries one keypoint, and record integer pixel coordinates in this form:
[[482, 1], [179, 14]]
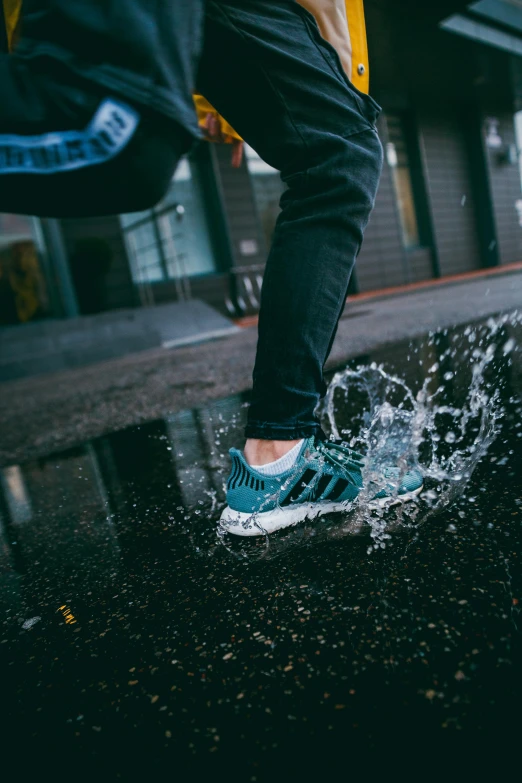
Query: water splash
[[441, 421], [426, 430]]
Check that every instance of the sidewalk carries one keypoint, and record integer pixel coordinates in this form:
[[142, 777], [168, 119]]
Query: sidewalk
[[57, 345], [385, 293], [60, 410]]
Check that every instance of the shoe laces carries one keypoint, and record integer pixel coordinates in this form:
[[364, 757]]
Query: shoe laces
[[340, 455]]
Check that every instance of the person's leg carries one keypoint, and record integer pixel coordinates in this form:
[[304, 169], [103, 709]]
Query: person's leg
[[267, 70]]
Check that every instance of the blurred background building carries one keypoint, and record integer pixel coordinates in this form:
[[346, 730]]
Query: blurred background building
[[449, 77]]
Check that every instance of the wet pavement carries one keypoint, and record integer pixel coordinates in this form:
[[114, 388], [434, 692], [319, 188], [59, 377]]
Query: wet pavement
[[136, 642], [59, 410]]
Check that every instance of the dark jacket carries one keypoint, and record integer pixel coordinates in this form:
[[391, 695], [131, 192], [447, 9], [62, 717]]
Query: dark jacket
[[144, 50]]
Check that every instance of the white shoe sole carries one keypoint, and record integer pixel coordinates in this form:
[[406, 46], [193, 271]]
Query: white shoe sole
[[241, 523]]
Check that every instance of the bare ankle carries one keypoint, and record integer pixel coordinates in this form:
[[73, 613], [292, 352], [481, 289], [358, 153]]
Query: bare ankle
[[261, 452]]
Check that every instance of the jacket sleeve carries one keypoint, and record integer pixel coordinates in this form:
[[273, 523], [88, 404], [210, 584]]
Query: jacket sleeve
[[12, 13]]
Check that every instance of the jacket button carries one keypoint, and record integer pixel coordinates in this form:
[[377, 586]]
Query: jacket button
[[361, 69]]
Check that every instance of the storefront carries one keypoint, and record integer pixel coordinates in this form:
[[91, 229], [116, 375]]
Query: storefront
[[449, 200]]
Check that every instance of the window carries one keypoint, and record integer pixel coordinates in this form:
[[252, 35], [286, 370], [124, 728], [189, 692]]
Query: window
[[399, 160], [172, 241], [268, 188]]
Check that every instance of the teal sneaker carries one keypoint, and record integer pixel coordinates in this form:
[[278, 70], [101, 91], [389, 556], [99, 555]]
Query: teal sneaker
[[327, 477]]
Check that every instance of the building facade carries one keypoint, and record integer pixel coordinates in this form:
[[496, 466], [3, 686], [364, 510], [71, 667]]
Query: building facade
[[449, 77]]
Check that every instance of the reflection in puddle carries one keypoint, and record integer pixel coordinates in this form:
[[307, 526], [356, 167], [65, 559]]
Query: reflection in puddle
[[435, 405]]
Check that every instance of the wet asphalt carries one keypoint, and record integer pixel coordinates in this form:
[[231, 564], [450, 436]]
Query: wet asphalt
[[46, 413], [138, 644]]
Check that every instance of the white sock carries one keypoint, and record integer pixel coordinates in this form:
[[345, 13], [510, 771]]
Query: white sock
[[280, 465]]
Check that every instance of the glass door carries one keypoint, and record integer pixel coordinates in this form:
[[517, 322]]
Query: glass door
[[171, 243]]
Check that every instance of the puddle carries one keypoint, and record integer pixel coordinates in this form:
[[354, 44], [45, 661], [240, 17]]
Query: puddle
[[125, 618]]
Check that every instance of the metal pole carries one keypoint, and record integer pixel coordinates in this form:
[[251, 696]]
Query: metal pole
[[62, 274]]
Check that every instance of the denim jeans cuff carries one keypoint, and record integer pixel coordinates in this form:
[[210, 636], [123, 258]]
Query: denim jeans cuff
[[282, 431]]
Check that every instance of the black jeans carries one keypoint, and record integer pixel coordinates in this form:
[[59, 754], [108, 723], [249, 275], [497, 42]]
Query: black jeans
[[266, 68]]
